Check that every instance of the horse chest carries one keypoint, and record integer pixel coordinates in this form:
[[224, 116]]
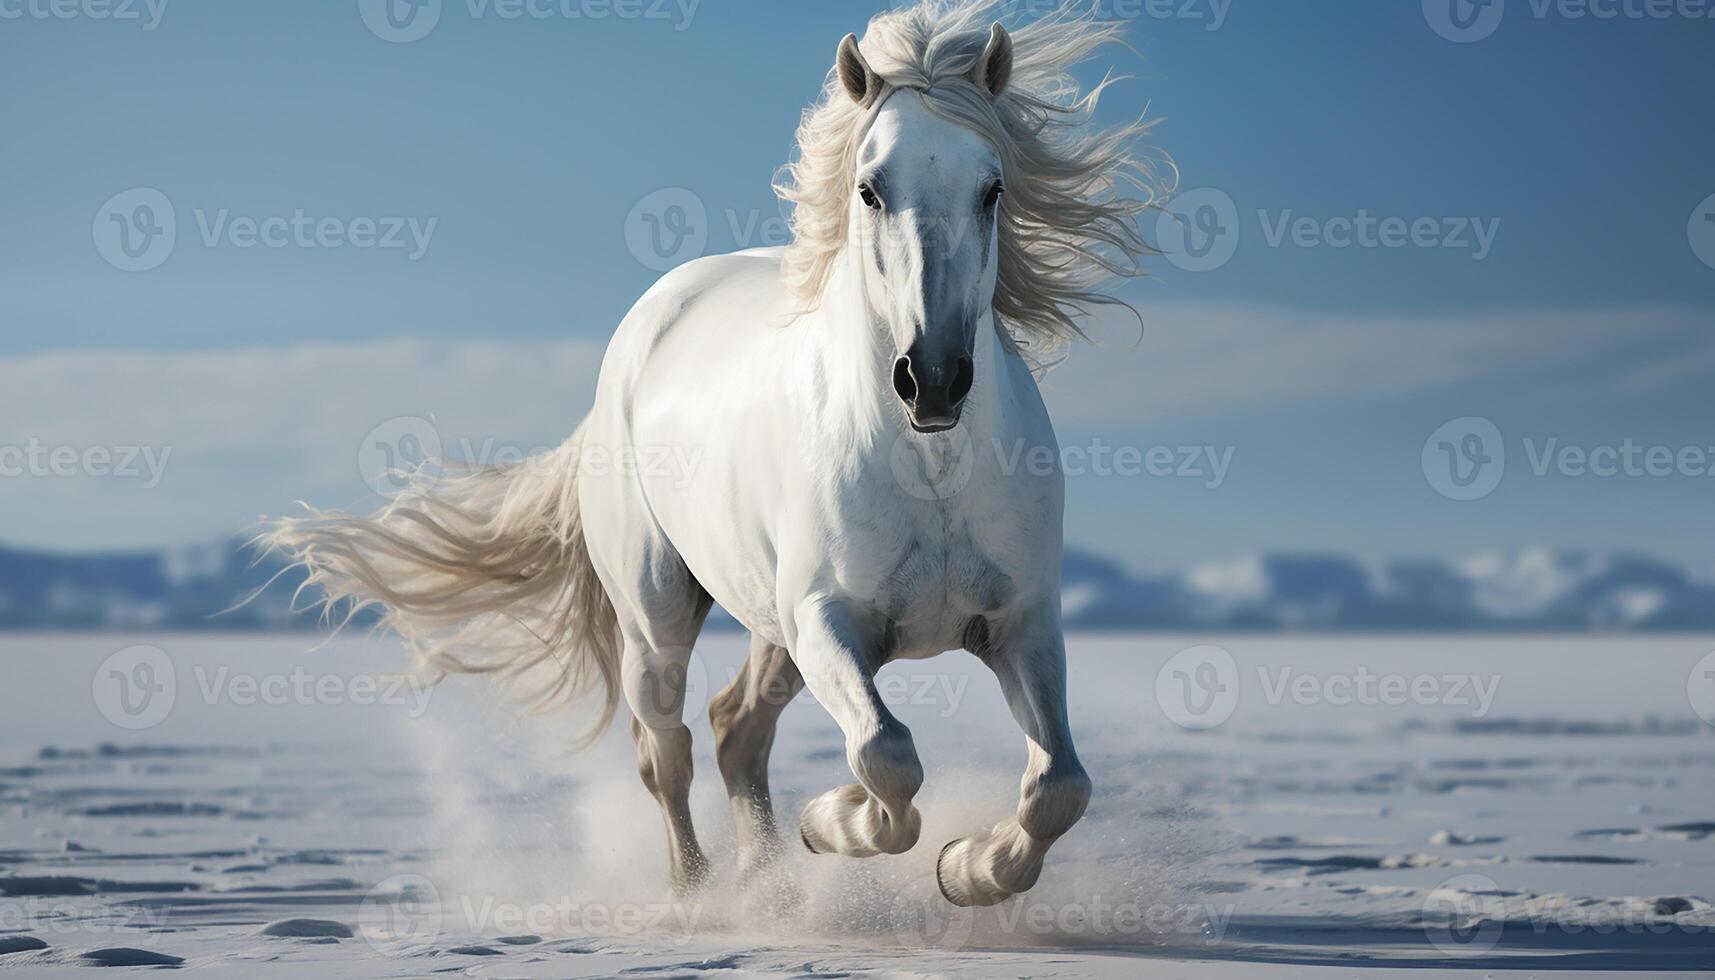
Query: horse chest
[[929, 566], [946, 581]]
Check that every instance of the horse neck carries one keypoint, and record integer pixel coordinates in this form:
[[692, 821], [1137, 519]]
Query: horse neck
[[854, 360]]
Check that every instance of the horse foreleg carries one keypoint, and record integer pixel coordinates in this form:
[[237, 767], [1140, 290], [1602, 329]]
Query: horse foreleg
[[743, 717], [989, 867], [874, 815]]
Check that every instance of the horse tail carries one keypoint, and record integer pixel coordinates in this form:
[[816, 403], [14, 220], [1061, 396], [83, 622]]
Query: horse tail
[[485, 573]]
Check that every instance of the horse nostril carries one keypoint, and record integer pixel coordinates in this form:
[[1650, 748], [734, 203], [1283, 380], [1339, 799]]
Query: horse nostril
[[963, 377], [903, 383]]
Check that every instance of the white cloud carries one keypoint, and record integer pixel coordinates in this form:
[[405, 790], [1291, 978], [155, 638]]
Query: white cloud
[[251, 429], [288, 400], [1211, 361], [247, 431], [1697, 362]]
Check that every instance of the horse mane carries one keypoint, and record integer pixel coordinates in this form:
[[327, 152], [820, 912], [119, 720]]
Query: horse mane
[[1068, 223]]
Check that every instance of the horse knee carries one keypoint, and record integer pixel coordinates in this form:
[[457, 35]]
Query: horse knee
[[886, 764], [1054, 801], [873, 815]]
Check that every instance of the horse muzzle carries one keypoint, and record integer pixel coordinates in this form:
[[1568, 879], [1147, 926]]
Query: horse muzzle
[[933, 387]]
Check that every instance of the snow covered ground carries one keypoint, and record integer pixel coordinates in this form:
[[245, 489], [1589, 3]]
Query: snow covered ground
[[1264, 806]]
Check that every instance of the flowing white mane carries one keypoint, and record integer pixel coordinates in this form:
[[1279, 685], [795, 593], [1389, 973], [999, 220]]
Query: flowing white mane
[[1068, 221]]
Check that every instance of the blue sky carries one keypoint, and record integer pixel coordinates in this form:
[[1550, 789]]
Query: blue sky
[[1582, 144]]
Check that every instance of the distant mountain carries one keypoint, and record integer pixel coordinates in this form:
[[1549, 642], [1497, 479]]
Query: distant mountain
[[1532, 590], [179, 588], [1535, 589]]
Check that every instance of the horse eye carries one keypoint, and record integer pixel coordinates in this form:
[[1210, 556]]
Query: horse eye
[[869, 199], [992, 196]]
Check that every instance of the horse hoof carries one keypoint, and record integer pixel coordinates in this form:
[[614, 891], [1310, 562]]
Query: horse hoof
[[804, 836], [692, 881], [941, 879], [958, 886], [767, 890]]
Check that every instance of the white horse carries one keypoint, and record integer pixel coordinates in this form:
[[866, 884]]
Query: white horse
[[845, 399]]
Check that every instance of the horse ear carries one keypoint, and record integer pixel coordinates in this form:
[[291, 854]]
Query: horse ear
[[859, 80], [994, 67]]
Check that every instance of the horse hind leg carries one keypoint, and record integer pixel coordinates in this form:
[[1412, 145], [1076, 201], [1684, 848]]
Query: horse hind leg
[[655, 680], [743, 717], [660, 608]]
